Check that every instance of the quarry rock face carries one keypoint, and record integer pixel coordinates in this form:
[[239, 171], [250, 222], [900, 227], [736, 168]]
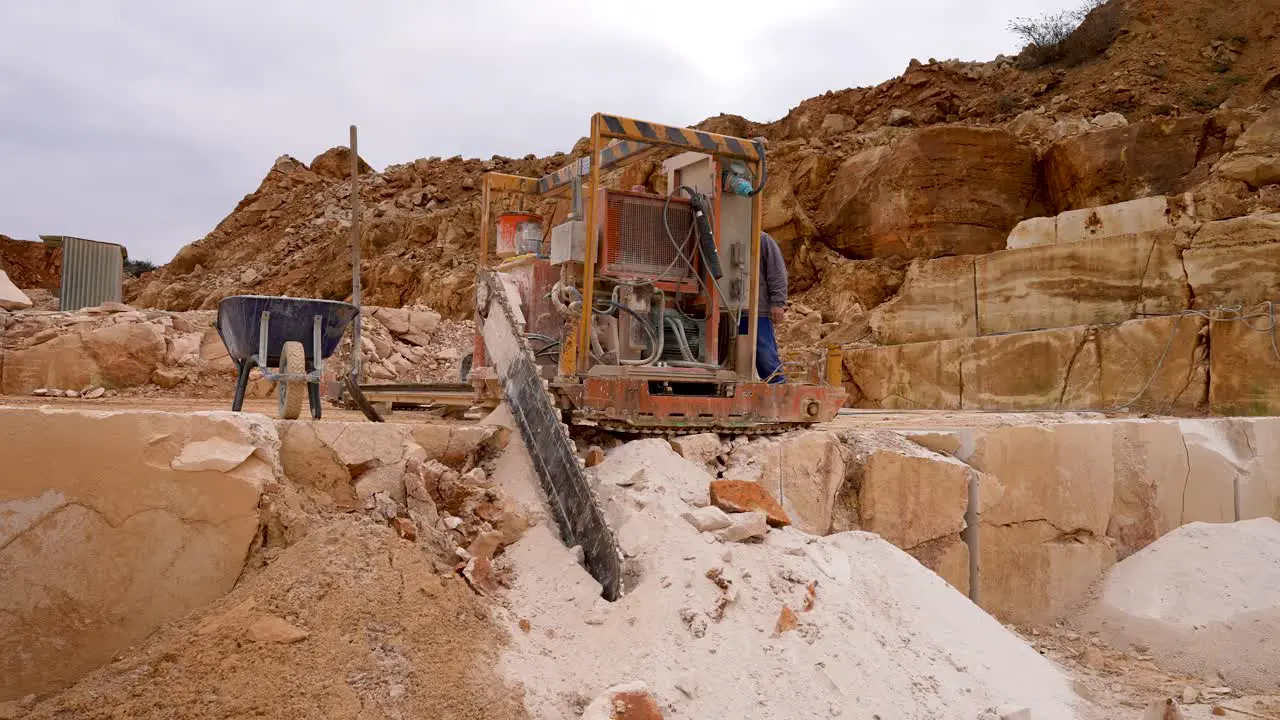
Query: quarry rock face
[[937, 191], [1255, 160], [1102, 167], [145, 516]]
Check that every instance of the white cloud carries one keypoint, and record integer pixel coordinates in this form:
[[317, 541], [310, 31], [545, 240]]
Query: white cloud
[[144, 122]]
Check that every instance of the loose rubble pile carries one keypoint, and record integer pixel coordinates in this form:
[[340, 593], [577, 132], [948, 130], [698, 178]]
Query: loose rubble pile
[[733, 618], [115, 348]]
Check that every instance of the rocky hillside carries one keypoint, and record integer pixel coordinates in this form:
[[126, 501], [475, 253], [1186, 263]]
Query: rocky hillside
[[1149, 98]]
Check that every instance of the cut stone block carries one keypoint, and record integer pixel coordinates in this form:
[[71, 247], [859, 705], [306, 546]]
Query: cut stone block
[[918, 375], [936, 302], [1134, 216], [904, 493], [1033, 233], [1032, 573], [1259, 492], [1216, 454], [1082, 283], [1151, 474], [1058, 474], [1233, 262], [1243, 366], [115, 534], [1080, 368]]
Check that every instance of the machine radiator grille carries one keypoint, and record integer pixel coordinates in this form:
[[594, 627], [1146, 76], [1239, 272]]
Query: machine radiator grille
[[636, 244]]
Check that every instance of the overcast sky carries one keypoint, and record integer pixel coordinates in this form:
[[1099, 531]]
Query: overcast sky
[[143, 122]]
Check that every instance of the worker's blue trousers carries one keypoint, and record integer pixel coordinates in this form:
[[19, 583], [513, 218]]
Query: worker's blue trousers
[[767, 360]]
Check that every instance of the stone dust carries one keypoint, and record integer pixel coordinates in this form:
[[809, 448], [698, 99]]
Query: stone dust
[[1204, 600], [875, 634]]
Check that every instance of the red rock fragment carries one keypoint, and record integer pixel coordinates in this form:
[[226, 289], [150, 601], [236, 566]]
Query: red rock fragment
[[738, 496]]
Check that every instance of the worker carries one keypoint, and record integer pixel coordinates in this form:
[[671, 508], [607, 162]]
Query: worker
[[771, 302]]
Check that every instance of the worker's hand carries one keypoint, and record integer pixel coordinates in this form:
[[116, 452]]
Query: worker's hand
[[775, 314]]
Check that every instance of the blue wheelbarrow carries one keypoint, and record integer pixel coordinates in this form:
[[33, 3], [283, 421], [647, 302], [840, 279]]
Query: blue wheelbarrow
[[293, 335]]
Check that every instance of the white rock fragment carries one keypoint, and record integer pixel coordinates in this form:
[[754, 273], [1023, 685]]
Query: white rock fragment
[[1013, 712], [708, 519], [745, 526]]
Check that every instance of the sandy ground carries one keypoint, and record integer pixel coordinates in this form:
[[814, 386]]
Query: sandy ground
[[904, 420], [185, 404]]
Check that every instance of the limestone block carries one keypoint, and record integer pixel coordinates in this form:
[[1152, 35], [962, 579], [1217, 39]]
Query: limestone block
[[11, 298], [806, 468], [745, 526], [1217, 453], [702, 448], [936, 302], [1233, 262], [214, 356], [1204, 599], [918, 375], [1259, 492], [182, 347], [149, 518], [359, 443], [127, 353], [1021, 371], [1162, 362], [59, 363], [1157, 364], [1143, 215], [1243, 366], [948, 557], [1032, 573], [1032, 233], [1059, 474], [1151, 471], [1081, 283], [904, 493], [453, 444]]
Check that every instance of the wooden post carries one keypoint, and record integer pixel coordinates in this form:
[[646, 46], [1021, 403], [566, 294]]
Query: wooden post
[[355, 257]]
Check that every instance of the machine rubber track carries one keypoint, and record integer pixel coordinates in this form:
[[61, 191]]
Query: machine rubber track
[[766, 429], [554, 455]]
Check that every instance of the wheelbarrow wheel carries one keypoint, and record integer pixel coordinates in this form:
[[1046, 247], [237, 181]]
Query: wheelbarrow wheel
[[291, 394]]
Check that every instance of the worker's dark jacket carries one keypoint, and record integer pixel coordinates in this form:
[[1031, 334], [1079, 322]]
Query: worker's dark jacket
[[773, 275]]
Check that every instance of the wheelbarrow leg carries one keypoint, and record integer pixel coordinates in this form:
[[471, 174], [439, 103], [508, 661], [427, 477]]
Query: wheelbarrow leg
[[242, 384], [313, 397]]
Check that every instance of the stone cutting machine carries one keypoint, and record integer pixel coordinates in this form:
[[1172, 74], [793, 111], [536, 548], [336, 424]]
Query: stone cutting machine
[[625, 314], [629, 305]]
